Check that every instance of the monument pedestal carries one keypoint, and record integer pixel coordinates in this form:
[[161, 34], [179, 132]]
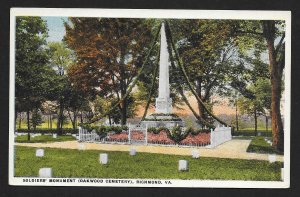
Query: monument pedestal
[[162, 120], [163, 105]]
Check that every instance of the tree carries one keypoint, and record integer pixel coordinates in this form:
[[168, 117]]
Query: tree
[[277, 60], [109, 54], [268, 32], [34, 78], [49, 108], [206, 50], [74, 101], [36, 119], [61, 58]]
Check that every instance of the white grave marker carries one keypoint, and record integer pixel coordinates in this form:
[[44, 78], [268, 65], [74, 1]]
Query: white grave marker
[[103, 158], [183, 165], [282, 174], [259, 134], [272, 158], [195, 154], [132, 152], [81, 147], [45, 172], [54, 135], [39, 152]]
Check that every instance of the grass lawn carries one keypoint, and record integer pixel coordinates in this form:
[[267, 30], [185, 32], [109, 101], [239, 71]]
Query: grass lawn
[[44, 138], [76, 163], [259, 145], [44, 125], [252, 133]]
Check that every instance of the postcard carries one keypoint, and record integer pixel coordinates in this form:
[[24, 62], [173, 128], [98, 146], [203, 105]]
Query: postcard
[[149, 98]]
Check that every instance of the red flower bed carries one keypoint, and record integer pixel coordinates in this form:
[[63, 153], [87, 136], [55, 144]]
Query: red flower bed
[[117, 137], [162, 137], [137, 135], [201, 138]]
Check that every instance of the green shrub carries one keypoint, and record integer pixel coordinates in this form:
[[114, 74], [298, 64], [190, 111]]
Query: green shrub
[[162, 129], [152, 130], [196, 131], [87, 126], [177, 134], [117, 129], [124, 127], [101, 130]]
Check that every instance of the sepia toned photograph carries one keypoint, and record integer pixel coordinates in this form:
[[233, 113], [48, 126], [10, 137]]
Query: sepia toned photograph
[[149, 98]]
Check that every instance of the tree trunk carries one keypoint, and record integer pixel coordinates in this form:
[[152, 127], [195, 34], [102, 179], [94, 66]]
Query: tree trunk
[[200, 106], [81, 118], [267, 122], [255, 122], [276, 75], [236, 116], [73, 120], [28, 125], [123, 91], [109, 119], [124, 112], [60, 119], [20, 120], [50, 121]]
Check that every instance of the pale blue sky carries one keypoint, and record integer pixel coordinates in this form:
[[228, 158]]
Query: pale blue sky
[[56, 28]]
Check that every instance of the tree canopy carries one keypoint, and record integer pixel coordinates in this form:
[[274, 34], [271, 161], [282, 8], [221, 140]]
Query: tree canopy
[[109, 53]]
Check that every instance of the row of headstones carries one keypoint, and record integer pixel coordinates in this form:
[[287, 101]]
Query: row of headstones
[[33, 135], [54, 135], [183, 165], [103, 159]]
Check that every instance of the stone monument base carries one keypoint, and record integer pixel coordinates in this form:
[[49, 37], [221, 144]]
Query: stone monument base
[[162, 120]]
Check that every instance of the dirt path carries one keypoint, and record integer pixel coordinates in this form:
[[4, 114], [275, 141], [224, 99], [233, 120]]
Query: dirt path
[[232, 149]]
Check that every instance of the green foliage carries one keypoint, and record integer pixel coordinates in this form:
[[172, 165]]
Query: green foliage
[[177, 134], [162, 129], [87, 126], [103, 50], [153, 130], [162, 114], [76, 163], [36, 119], [61, 56], [35, 79], [103, 130], [162, 119], [259, 145], [205, 48], [44, 139], [196, 131], [261, 103]]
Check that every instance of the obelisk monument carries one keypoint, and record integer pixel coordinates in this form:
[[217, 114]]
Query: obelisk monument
[[163, 116], [163, 102]]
